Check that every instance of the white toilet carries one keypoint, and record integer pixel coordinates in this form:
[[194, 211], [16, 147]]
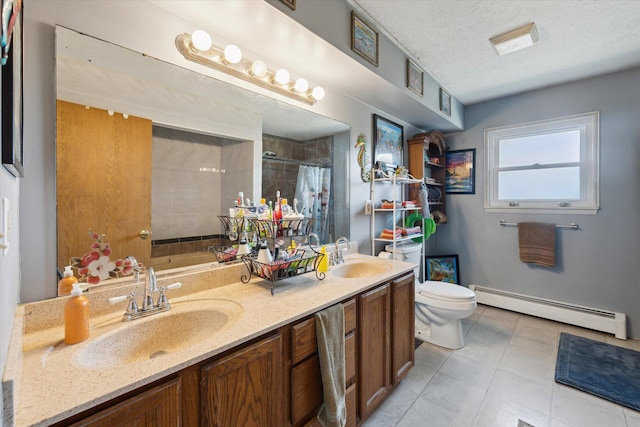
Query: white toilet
[[440, 307]]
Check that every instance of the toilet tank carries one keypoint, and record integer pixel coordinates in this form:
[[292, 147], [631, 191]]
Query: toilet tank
[[409, 252]]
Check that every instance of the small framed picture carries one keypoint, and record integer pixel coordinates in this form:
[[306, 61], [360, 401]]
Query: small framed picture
[[290, 3], [388, 141], [414, 77], [461, 171], [364, 39], [443, 268], [445, 102]]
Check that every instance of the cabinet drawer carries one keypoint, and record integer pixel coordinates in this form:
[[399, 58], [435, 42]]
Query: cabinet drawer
[[303, 334], [350, 359], [303, 340], [306, 389], [349, 316]]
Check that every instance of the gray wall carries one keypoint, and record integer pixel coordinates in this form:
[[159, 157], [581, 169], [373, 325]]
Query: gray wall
[[331, 20], [597, 265]]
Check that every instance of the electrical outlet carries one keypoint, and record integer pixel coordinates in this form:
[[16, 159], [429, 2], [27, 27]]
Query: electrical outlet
[[367, 207]]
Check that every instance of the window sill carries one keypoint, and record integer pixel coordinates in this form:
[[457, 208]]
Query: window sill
[[539, 210]]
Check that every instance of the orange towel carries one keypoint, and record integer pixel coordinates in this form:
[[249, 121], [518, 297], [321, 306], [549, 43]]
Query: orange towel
[[537, 242]]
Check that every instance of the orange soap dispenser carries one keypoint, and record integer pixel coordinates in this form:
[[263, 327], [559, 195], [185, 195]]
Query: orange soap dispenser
[[66, 283], [76, 317]]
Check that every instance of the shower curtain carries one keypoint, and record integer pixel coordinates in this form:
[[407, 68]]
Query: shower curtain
[[312, 191]]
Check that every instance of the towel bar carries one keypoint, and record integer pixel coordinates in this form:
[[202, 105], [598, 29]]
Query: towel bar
[[573, 225]]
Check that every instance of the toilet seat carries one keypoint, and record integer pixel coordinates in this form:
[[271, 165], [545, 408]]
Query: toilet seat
[[447, 292]]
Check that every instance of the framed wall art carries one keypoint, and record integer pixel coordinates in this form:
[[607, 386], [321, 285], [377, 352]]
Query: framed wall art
[[461, 171], [415, 77], [290, 3], [445, 102], [388, 142], [364, 39], [12, 112], [443, 268]]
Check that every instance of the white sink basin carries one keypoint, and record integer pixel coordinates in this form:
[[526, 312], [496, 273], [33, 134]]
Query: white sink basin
[[358, 268], [158, 335]]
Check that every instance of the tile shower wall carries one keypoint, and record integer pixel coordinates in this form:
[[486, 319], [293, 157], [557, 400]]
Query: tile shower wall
[[195, 178], [185, 245], [281, 176], [186, 181]]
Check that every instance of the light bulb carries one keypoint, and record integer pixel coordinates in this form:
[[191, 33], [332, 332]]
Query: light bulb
[[301, 85], [317, 93], [259, 68], [232, 54], [201, 40], [282, 76]]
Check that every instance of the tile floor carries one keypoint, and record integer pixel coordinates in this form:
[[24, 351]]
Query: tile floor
[[504, 373]]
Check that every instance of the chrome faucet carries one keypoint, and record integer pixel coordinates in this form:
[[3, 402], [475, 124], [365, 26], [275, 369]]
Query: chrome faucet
[[136, 267], [148, 306], [313, 236], [150, 288], [339, 258]]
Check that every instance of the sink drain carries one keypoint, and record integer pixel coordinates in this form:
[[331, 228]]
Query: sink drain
[[157, 354]]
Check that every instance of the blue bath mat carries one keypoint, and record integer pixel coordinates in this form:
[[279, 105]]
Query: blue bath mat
[[604, 370]]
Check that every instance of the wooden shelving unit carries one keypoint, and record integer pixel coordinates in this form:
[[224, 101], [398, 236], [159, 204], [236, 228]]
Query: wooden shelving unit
[[427, 162]]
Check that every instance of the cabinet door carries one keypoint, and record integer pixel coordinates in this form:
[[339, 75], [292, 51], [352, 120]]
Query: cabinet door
[[159, 406], [403, 325], [374, 349], [245, 387]]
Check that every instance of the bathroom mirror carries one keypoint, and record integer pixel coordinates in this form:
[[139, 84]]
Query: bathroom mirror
[[208, 141]]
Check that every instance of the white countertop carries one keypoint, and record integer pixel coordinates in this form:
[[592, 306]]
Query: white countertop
[[49, 384]]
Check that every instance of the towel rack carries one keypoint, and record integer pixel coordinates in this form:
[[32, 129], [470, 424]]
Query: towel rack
[[573, 225]]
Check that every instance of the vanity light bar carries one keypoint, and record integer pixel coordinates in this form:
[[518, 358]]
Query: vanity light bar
[[255, 72]]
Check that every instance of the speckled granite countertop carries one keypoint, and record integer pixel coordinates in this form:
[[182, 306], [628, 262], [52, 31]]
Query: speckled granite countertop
[[47, 381]]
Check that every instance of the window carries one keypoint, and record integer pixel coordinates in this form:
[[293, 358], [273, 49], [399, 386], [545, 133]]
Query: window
[[549, 166]]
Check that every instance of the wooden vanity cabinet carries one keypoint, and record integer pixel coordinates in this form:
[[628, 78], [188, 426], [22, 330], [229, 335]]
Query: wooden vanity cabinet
[[245, 387], [306, 379], [386, 347], [427, 158], [275, 380], [242, 387]]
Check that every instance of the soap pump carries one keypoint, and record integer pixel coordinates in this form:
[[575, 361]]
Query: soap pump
[[76, 317], [65, 285], [243, 246], [264, 255]]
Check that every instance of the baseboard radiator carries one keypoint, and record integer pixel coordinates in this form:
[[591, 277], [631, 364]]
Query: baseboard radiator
[[586, 317]]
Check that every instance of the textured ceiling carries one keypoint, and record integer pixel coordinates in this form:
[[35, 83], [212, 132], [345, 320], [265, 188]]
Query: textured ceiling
[[578, 39]]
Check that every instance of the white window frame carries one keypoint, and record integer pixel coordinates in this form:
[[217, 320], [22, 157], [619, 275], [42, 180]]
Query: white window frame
[[589, 126]]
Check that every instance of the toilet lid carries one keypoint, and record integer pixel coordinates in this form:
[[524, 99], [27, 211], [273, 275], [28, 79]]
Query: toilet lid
[[444, 290]]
